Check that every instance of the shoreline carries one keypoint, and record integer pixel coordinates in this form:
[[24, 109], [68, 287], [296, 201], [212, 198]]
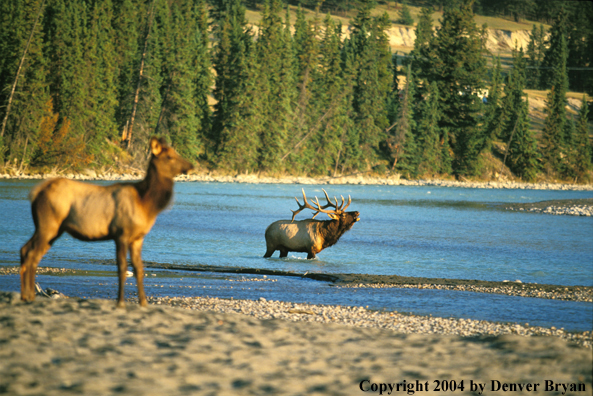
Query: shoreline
[[339, 180], [359, 281], [355, 316], [54, 347]]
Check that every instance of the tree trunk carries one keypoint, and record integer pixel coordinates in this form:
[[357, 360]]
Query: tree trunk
[[18, 72]]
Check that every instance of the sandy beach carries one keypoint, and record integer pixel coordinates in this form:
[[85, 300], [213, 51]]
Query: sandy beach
[[76, 346]]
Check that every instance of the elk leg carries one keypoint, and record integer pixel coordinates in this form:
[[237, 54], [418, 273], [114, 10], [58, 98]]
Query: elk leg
[[122, 266], [311, 254], [31, 254], [283, 253], [269, 253], [136, 256]]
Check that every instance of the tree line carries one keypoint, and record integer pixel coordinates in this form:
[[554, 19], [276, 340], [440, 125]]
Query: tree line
[[101, 76]]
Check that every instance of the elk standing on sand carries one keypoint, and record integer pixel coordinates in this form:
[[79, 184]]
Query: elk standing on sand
[[122, 212], [310, 236]]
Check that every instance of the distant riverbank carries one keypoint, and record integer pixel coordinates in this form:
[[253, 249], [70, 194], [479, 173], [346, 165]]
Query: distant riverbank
[[359, 179]]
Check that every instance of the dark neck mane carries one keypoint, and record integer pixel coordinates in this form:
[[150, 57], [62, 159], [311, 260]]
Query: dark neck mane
[[332, 230], [155, 190]]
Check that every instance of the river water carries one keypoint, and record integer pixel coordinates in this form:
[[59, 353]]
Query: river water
[[432, 232]]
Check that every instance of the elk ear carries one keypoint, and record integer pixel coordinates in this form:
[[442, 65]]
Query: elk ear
[[333, 216], [155, 146]]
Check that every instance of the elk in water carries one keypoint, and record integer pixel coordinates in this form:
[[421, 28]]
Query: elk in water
[[310, 236], [122, 212]]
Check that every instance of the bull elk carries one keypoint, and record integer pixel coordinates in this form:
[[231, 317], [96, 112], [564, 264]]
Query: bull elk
[[310, 236], [122, 212]]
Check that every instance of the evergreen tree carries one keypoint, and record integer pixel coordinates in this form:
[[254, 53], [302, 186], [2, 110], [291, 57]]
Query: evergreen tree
[[331, 91], [582, 144], [373, 81], [405, 18], [101, 79], [239, 147], [31, 97], [179, 116], [235, 121], [402, 142], [495, 115], [428, 133], [535, 54], [459, 70], [203, 79], [554, 133], [65, 38], [523, 155], [150, 83], [514, 96], [557, 51], [274, 55], [422, 52]]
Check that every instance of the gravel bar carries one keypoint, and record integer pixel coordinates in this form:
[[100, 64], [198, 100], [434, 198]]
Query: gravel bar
[[361, 317]]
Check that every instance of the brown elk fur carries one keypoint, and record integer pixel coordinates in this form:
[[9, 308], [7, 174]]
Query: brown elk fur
[[307, 236], [122, 212]]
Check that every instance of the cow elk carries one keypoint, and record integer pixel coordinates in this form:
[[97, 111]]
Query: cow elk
[[122, 212], [310, 236]]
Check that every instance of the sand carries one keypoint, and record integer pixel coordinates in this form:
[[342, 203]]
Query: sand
[[76, 346]]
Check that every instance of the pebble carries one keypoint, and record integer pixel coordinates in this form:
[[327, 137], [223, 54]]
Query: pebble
[[361, 317], [584, 294], [361, 179], [574, 210]]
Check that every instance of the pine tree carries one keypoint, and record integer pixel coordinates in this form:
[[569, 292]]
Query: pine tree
[[557, 51], [373, 81], [128, 23], [237, 114], [494, 115], [402, 142], [405, 18], [582, 145], [428, 133], [101, 80], [458, 68], [331, 91], [523, 154], [274, 53], [21, 128], [554, 133], [422, 53], [514, 96], [65, 24], [179, 116], [203, 78], [535, 54]]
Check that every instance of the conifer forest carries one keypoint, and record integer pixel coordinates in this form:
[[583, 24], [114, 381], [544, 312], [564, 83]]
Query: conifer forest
[[85, 84]]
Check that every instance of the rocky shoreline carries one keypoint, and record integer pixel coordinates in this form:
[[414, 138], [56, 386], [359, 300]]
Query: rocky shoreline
[[561, 293], [359, 179], [361, 317], [571, 207]]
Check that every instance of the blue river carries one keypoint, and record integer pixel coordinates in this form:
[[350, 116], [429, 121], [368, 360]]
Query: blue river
[[432, 232]]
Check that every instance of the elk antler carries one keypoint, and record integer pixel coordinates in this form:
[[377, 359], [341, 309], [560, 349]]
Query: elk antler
[[319, 208]]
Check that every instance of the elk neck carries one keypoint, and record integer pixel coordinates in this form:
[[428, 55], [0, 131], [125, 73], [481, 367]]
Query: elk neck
[[332, 230], [155, 190]]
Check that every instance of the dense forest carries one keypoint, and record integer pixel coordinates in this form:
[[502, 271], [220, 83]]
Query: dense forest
[[86, 83]]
